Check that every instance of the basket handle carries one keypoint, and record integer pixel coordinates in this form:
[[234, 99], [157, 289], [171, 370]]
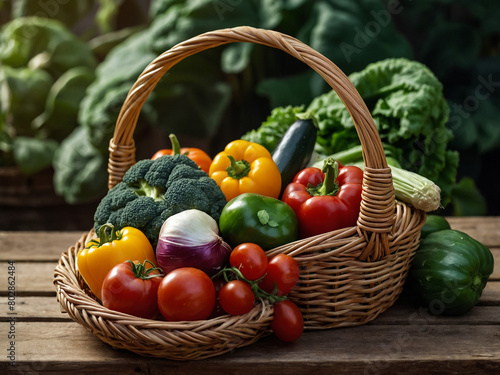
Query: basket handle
[[377, 212]]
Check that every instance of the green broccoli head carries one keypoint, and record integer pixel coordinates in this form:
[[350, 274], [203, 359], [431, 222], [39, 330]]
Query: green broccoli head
[[199, 193], [152, 191]]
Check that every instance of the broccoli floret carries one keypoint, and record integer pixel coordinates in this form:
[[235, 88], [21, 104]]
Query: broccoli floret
[[159, 172], [152, 191], [139, 212], [138, 171], [181, 172], [185, 194], [121, 199]]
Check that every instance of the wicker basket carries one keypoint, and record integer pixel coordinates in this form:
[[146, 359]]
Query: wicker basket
[[348, 277]]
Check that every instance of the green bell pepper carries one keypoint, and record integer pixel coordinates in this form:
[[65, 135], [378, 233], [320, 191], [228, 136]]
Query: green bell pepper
[[265, 221]]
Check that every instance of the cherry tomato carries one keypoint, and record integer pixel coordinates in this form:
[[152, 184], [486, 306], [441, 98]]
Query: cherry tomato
[[124, 290], [186, 293], [282, 270], [236, 297], [288, 322], [250, 259]]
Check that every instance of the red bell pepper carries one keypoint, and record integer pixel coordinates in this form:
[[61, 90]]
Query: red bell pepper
[[325, 200]]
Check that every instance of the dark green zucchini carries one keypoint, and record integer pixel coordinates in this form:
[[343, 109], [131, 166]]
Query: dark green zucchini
[[295, 149]]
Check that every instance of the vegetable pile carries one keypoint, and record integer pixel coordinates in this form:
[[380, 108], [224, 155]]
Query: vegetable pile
[[179, 244], [211, 221], [154, 190]]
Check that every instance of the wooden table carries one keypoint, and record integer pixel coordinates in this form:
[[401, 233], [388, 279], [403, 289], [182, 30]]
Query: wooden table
[[405, 339]]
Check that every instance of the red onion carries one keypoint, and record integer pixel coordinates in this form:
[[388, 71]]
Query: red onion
[[191, 239]]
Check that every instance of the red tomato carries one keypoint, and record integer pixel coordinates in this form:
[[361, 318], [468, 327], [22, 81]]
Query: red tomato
[[123, 291], [250, 259], [236, 297], [282, 270], [186, 293], [288, 322]]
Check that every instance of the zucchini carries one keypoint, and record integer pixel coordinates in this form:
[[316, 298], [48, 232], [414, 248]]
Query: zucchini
[[294, 150]]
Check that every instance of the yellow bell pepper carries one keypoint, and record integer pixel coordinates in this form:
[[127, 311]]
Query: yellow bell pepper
[[246, 167], [100, 256]]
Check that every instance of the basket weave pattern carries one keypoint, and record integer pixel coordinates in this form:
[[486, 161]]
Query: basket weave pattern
[[348, 277]]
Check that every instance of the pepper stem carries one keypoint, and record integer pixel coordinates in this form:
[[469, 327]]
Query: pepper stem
[[104, 236], [237, 169], [176, 146], [329, 186]]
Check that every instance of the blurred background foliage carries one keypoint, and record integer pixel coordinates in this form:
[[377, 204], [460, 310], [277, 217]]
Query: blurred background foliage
[[224, 92]]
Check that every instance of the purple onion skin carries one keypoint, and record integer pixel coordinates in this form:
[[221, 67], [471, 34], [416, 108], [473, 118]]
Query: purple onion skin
[[209, 258]]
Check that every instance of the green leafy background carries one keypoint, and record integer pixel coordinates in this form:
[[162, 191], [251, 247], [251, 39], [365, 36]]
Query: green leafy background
[[225, 92]]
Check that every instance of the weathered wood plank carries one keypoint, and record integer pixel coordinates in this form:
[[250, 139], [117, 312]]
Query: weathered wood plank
[[33, 309], [30, 278], [496, 270], [36, 246], [491, 294], [59, 347], [405, 313], [484, 229]]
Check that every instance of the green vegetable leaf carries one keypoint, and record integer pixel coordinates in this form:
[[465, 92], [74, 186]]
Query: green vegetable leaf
[[445, 39], [263, 217], [236, 57], [42, 43], [63, 101], [23, 93], [272, 223], [281, 92], [79, 169], [33, 155], [355, 33], [407, 104], [114, 78], [467, 199], [68, 12]]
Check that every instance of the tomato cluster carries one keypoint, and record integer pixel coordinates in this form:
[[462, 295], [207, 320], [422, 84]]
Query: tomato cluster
[[257, 277], [187, 293]]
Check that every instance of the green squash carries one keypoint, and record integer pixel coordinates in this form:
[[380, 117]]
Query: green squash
[[433, 223], [449, 272]]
